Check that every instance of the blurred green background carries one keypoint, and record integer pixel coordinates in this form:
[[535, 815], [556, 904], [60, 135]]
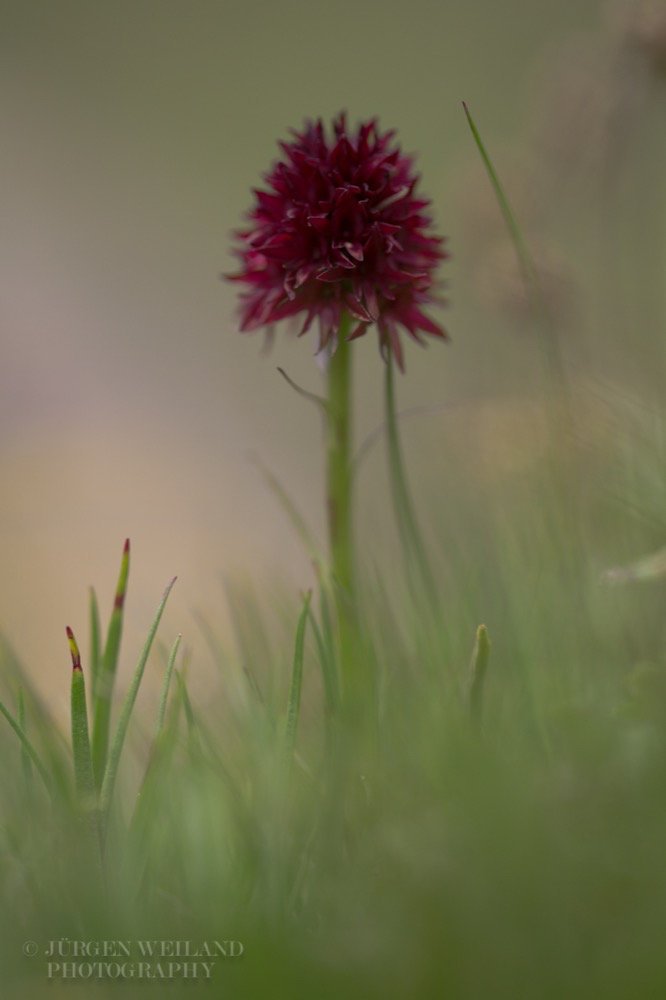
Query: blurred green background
[[133, 132]]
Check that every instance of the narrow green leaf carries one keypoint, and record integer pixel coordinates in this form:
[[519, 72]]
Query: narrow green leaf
[[418, 567], [25, 757], [477, 673], [83, 768], [55, 746], [194, 741], [95, 643], [529, 271], [326, 650], [107, 674], [27, 745], [297, 520], [312, 397], [126, 713], [165, 687], [296, 677], [159, 762], [84, 780]]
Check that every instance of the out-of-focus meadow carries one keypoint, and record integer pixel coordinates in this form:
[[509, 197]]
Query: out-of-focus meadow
[[130, 405], [441, 823]]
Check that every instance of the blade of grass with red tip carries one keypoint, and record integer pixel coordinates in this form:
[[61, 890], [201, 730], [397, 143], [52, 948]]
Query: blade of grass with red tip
[[107, 674], [84, 779], [116, 748], [83, 767]]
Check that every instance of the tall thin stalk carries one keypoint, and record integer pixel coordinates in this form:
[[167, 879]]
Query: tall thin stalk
[[339, 508]]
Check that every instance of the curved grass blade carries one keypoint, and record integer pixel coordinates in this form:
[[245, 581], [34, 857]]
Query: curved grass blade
[[326, 649], [55, 747], [477, 673], [296, 518], [107, 674], [161, 753], [296, 678], [165, 687], [193, 733], [526, 264], [25, 757], [27, 745], [312, 397], [126, 713]]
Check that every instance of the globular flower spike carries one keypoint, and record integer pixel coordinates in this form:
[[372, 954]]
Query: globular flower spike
[[339, 230]]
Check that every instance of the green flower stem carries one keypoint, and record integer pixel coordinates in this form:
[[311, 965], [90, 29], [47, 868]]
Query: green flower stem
[[418, 567], [339, 463], [339, 508]]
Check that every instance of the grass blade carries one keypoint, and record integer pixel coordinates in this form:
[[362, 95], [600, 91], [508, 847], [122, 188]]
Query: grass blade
[[297, 520], [296, 677], [126, 713], [27, 745], [84, 779], [83, 767], [477, 673], [526, 264], [326, 649], [54, 745], [25, 757], [193, 739], [165, 687], [161, 751], [95, 643], [419, 572], [107, 674]]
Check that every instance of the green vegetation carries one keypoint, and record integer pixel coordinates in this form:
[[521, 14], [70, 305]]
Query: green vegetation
[[488, 822]]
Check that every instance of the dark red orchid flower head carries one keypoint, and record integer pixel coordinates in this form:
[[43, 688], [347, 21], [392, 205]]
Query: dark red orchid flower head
[[339, 230]]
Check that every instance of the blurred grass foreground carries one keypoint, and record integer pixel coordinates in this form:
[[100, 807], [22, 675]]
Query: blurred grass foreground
[[490, 820]]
